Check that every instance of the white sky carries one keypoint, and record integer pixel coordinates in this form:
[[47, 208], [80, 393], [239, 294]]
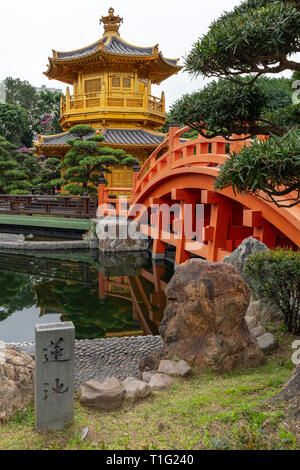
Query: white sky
[[30, 29]]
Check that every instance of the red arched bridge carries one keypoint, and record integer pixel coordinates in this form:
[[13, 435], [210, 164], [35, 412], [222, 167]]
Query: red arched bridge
[[185, 174]]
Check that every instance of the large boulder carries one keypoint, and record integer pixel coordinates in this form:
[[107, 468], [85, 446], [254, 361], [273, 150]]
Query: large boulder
[[16, 381], [260, 311], [240, 255], [204, 320]]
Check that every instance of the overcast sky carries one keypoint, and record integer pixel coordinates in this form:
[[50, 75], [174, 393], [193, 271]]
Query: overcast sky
[[30, 29]]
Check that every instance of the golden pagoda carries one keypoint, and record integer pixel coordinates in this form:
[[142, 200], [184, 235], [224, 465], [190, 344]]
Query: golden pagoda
[[111, 82]]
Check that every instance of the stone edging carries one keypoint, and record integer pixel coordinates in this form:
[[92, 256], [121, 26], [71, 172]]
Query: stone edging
[[88, 341], [32, 246]]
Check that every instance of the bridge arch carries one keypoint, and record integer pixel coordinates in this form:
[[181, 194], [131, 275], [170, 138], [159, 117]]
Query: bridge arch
[[186, 173]]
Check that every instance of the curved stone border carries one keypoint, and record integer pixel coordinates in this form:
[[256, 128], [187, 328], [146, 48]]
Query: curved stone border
[[50, 246], [106, 357]]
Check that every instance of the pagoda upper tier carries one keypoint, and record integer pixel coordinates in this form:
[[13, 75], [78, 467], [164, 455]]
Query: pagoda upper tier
[[112, 49], [112, 81]]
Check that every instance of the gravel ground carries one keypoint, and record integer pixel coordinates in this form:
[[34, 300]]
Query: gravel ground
[[107, 357]]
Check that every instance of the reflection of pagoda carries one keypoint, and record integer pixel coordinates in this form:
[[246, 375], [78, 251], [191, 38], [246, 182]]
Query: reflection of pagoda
[[111, 82]]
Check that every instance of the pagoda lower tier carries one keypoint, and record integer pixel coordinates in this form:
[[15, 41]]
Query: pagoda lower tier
[[139, 143]]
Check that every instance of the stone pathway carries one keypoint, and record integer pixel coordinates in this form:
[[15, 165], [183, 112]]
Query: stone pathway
[[107, 357]]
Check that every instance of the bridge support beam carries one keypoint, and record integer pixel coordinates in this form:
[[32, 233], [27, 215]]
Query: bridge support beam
[[220, 221], [262, 229], [159, 247]]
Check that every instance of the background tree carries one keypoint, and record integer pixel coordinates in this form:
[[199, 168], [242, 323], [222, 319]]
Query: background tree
[[87, 159], [15, 125], [43, 107], [49, 104], [14, 178], [21, 93], [256, 38], [49, 172]]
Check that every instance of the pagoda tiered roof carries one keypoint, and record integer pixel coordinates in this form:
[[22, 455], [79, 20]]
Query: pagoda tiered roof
[[128, 137], [109, 49]]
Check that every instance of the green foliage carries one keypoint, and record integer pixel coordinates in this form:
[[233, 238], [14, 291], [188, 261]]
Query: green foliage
[[49, 103], [81, 131], [17, 169], [48, 177], [256, 37], [246, 438], [290, 116], [37, 104], [21, 93], [278, 92], [222, 108], [275, 275], [15, 124], [271, 166], [87, 159]]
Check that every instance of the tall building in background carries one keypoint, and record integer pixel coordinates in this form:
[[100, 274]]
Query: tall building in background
[[111, 91], [45, 88]]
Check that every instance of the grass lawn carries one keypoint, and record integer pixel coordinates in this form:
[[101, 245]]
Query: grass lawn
[[205, 411]]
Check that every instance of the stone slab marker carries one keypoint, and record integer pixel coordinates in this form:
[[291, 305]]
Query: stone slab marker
[[54, 375]]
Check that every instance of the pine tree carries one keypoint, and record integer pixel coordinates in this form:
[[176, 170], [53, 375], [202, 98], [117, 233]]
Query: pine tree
[[87, 159], [14, 177]]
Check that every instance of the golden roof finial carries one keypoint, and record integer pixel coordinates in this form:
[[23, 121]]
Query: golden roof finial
[[111, 22]]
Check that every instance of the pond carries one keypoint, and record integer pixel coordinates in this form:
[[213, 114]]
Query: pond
[[104, 297]]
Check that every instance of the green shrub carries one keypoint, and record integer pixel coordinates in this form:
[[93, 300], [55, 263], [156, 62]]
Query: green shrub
[[275, 274]]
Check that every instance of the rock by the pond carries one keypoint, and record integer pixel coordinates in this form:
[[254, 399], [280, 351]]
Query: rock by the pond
[[16, 381], [204, 320], [174, 368], [257, 331], [260, 312], [135, 389], [107, 395], [161, 381], [146, 375], [267, 342], [240, 255], [117, 234]]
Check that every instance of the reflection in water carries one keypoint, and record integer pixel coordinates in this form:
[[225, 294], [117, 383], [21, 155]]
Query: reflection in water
[[113, 296]]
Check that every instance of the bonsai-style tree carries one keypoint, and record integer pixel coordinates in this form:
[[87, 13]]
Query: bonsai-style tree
[[256, 38], [14, 177], [86, 160], [49, 173]]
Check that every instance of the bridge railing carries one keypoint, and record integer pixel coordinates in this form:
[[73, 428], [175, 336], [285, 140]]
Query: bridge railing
[[64, 206], [200, 151], [179, 152]]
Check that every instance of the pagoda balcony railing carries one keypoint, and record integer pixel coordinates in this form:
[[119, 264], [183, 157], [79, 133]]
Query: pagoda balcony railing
[[112, 102]]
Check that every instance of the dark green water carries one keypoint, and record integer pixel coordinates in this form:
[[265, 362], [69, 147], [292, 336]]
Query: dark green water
[[110, 296]]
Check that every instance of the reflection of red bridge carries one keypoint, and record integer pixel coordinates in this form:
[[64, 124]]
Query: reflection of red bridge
[[145, 291], [186, 174]]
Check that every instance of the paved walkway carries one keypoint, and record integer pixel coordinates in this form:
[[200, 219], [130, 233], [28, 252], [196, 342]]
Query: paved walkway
[[45, 221]]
